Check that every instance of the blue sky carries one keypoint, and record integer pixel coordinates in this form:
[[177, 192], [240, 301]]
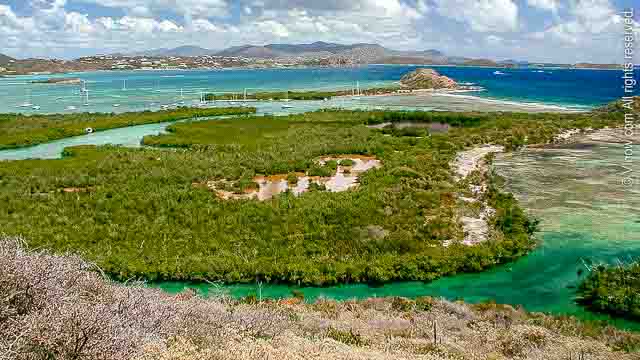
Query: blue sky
[[535, 30]]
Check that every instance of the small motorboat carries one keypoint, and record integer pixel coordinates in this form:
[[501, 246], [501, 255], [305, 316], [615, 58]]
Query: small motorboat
[[116, 105], [71, 108], [35, 107], [286, 106]]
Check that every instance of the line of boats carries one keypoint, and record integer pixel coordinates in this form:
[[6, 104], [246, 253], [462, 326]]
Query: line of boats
[[84, 93]]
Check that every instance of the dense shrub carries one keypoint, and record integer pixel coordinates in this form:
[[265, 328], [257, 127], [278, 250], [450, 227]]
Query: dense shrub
[[147, 217], [612, 289]]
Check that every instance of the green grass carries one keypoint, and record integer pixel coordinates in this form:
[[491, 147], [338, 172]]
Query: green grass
[[143, 217], [18, 130]]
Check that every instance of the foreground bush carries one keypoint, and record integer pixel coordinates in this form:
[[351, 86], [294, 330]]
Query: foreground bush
[[61, 307]]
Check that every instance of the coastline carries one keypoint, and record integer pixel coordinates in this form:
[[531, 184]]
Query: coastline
[[319, 67]]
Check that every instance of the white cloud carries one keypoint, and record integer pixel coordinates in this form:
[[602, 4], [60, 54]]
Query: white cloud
[[78, 23], [494, 40], [481, 15], [549, 5], [187, 8], [579, 30], [587, 21], [591, 28], [202, 25]]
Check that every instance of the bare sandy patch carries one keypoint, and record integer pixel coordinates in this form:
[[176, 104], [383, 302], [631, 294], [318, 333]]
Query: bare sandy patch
[[476, 228], [345, 178]]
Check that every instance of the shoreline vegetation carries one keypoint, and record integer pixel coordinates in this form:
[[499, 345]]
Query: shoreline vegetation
[[62, 305], [19, 130], [402, 223], [613, 290], [421, 79]]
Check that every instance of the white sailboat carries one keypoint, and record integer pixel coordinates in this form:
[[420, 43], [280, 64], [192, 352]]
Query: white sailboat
[[181, 102], [124, 85], [286, 99], [357, 91], [27, 101], [245, 98], [85, 91]]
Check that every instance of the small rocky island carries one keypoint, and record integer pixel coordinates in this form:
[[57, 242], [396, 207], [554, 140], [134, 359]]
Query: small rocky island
[[427, 79]]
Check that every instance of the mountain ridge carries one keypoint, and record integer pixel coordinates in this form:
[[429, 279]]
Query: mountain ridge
[[334, 53], [4, 59]]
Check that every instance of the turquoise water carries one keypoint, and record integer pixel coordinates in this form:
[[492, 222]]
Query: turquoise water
[[143, 90]]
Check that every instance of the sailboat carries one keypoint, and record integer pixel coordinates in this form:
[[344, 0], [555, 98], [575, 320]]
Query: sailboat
[[85, 91], [27, 102], [286, 99], [124, 85], [357, 91], [245, 98], [181, 97]]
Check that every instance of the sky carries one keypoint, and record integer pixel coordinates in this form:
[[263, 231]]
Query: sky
[[560, 31]]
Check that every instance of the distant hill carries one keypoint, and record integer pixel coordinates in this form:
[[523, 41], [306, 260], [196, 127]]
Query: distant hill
[[333, 54], [182, 51], [481, 62], [512, 62], [288, 50], [4, 59], [336, 54]]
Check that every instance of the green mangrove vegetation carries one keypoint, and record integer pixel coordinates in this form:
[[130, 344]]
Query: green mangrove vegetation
[[613, 290], [293, 95], [142, 212], [19, 130]]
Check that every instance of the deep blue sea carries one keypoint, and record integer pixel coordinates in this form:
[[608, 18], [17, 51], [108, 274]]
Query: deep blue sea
[[139, 90]]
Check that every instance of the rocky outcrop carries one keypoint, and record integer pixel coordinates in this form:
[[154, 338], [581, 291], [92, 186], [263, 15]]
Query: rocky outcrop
[[427, 79]]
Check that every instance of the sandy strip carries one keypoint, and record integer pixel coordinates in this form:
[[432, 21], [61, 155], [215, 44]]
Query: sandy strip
[[476, 229]]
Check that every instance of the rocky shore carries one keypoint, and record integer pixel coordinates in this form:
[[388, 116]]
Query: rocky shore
[[427, 79]]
